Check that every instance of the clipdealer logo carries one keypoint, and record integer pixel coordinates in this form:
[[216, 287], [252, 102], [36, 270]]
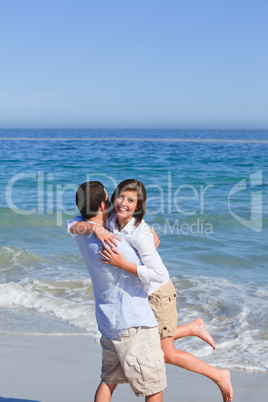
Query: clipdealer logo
[[255, 220], [186, 200]]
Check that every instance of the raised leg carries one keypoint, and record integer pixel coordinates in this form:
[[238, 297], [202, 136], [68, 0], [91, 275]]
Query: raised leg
[[195, 328], [189, 362]]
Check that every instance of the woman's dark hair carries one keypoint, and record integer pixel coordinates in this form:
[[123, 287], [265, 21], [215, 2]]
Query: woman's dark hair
[[89, 197], [133, 185]]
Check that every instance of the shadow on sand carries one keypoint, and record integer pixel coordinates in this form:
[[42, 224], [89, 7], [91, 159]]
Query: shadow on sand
[[16, 400]]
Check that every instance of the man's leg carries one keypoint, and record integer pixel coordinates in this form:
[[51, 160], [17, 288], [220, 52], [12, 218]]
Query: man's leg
[[105, 391], [112, 373], [141, 357], [155, 398]]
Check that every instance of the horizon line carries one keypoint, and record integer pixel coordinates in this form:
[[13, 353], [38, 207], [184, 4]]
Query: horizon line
[[196, 140], [130, 129]]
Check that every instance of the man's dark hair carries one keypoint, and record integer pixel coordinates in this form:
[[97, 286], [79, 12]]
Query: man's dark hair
[[89, 197]]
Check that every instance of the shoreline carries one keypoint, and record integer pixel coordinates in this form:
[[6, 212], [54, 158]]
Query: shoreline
[[67, 368]]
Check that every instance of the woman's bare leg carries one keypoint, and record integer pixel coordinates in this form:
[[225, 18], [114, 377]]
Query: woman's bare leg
[[194, 328], [190, 362]]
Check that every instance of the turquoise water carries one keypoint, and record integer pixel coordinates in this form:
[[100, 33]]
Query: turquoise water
[[206, 199]]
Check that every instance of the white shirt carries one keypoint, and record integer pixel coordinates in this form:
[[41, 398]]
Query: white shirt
[[121, 302], [153, 273]]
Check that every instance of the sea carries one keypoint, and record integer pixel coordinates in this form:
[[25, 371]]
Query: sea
[[207, 200]]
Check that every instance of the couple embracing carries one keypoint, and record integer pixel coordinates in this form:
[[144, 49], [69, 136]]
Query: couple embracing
[[135, 298]]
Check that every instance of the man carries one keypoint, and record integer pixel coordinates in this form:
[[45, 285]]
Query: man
[[131, 350]]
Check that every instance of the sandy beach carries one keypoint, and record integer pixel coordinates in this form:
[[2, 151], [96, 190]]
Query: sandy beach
[[67, 368]]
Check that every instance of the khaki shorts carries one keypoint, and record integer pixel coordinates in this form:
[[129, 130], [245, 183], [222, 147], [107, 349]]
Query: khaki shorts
[[163, 304], [135, 357]]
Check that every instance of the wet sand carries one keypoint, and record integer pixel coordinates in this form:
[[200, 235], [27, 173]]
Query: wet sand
[[67, 369]]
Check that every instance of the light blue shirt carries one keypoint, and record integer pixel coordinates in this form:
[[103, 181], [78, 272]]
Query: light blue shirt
[[121, 303]]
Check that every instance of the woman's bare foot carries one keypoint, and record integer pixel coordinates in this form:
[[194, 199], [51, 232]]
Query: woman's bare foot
[[200, 331], [224, 383]]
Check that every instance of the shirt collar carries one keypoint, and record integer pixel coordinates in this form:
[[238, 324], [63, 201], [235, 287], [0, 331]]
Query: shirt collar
[[130, 226]]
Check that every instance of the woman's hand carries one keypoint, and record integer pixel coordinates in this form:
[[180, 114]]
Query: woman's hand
[[105, 236], [85, 227], [112, 257]]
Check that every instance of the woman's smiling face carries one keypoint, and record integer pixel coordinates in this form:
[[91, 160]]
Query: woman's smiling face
[[125, 205]]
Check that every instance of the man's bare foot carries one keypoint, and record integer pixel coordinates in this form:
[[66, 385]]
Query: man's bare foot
[[224, 383], [200, 331]]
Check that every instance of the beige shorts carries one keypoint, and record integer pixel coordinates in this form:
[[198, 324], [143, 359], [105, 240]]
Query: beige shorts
[[135, 357], [163, 304]]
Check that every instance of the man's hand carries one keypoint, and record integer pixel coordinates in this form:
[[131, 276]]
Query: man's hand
[[156, 238]]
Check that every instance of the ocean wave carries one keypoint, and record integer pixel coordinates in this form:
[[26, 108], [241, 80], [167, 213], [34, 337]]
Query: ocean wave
[[71, 301], [17, 257], [235, 317], [234, 314]]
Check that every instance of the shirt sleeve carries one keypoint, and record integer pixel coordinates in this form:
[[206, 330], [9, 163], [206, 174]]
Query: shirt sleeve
[[153, 269], [71, 222]]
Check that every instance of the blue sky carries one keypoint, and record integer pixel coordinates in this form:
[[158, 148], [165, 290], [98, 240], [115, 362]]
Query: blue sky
[[142, 63]]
